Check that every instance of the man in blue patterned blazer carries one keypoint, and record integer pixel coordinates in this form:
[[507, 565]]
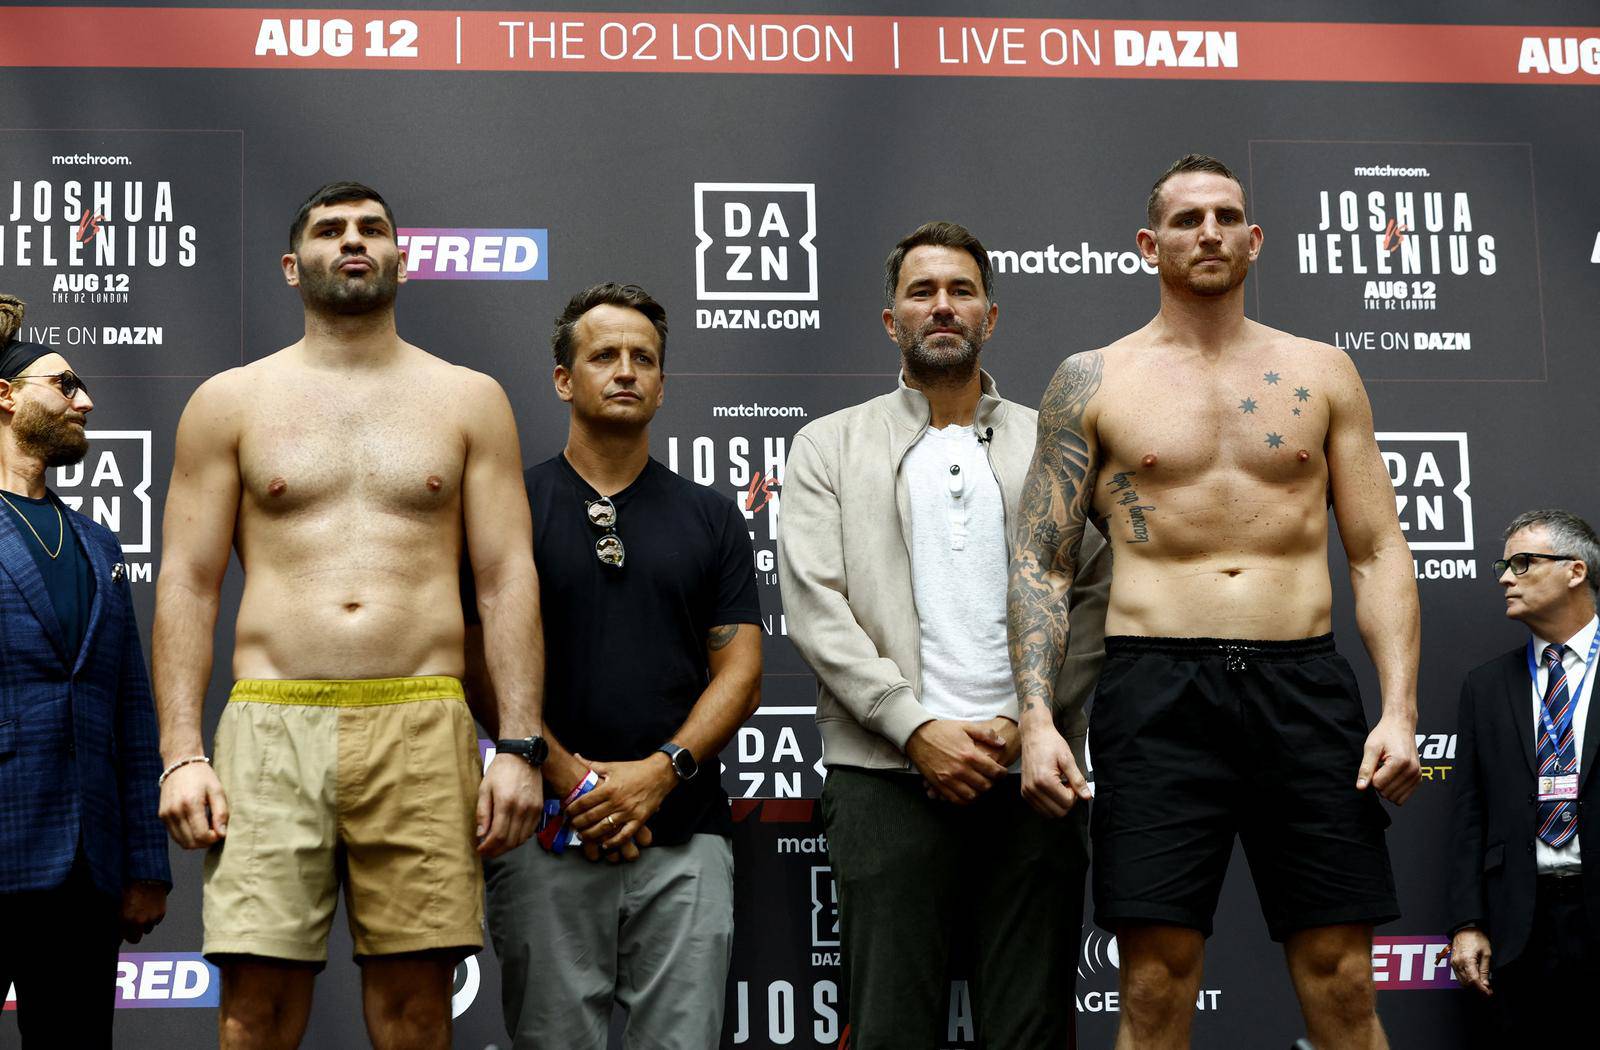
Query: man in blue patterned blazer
[[83, 856]]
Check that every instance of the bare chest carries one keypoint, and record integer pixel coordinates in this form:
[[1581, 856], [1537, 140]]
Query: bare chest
[[1181, 425], [396, 457]]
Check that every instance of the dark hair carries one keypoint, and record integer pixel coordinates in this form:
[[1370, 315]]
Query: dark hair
[[335, 193], [1569, 535], [938, 235], [1183, 165], [563, 339], [11, 311]]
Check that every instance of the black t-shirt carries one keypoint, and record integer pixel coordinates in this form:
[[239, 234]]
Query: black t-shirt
[[625, 649], [68, 577]]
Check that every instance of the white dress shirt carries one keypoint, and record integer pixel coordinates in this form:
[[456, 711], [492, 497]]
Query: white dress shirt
[[1552, 861]]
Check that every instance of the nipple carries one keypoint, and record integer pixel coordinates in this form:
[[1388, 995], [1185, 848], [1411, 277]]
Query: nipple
[[1302, 455], [1148, 461], [277, 487], [435, 483]]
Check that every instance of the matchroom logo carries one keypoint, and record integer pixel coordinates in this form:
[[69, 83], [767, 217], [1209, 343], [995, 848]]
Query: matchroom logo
[[755, 245]]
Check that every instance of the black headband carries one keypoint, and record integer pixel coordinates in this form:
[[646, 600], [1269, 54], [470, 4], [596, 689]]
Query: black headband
[[16, 356]]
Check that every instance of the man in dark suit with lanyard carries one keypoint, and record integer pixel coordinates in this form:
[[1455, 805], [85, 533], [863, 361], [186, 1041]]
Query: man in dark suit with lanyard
[[1524, 890], [83, 857]]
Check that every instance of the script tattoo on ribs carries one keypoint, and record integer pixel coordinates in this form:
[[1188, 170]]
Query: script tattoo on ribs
[[1121, 484], [1051, 515]]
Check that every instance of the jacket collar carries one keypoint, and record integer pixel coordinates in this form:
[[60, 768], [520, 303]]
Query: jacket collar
[[909, 406]]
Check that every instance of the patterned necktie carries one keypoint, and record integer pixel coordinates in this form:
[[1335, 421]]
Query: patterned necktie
[[1558, 821]]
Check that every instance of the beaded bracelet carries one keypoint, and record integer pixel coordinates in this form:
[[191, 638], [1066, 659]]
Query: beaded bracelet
[[179, 764]]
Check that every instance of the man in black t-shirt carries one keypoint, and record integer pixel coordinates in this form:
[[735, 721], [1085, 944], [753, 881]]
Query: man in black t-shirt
[[652, 660]]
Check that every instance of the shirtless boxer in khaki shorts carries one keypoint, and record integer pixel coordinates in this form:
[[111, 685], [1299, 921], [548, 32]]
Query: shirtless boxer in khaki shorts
[[348, 471]]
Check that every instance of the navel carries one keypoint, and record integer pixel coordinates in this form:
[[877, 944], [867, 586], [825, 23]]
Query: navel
[[435, 483], [351, 607], [1148, 461], [277, 487]]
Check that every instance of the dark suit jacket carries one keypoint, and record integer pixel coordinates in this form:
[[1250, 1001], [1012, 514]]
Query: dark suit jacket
[[1492, 870], [78, 743]]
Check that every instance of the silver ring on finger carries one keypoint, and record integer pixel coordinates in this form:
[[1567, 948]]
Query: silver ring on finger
[[611, 819]]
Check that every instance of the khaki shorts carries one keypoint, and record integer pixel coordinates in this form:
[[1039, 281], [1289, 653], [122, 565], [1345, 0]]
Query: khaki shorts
[[372, 783]]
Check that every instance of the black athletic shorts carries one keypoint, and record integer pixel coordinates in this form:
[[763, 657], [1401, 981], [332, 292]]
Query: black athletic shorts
[[1196, 740]]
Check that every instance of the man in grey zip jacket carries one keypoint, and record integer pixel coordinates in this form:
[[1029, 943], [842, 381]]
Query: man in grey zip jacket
[[893, 565]]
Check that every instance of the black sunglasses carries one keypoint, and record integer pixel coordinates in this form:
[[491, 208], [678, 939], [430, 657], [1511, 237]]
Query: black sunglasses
[[1519, 563], [602, 514], [68, 381]]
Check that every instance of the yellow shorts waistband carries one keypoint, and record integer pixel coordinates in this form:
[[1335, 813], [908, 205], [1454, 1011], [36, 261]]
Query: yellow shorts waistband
[[350, 692]]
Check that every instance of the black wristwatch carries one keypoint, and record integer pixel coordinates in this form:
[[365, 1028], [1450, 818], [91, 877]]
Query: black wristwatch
[[682, 759], [533, 749]]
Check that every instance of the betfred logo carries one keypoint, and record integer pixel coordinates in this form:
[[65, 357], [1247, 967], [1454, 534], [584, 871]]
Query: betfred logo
[[453, 254], [1430, 474], [1410, 964], [755, 241], [159, 979], [111, 485]]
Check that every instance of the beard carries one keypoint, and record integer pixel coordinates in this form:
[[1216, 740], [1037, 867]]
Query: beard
[[1211, 282], [943, 358], [56, 440], [330, 291]]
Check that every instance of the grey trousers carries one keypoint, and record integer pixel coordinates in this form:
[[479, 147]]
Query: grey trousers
[[574, 936], [920, 880]]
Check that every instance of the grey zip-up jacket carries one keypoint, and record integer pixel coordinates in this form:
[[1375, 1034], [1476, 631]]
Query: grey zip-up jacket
[[844, 563]]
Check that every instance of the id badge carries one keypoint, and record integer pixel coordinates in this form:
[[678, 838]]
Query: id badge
[[1561, 787]]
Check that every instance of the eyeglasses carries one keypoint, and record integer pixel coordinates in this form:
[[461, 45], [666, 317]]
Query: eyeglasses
[[1518, 563], [602, 514], [68, 381]]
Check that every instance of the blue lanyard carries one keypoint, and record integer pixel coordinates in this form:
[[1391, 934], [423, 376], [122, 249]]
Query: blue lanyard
[[1533, 676]]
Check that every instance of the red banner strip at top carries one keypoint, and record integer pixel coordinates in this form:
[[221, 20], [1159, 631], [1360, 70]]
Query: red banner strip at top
[[267, 38]]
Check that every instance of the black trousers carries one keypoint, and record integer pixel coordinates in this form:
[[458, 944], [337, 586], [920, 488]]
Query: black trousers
[[59, 947], [920, 881], [1546, 994]]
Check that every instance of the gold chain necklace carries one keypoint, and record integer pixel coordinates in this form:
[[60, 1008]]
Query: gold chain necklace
[[60, 540]]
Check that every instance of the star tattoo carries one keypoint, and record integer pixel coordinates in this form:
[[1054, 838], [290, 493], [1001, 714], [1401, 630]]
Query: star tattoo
[[1271, 378], [1302, 393], [1274, 440], [1297, 411], [1247, 405]]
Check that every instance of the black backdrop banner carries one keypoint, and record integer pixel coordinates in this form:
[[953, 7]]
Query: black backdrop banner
[[1426, 188]]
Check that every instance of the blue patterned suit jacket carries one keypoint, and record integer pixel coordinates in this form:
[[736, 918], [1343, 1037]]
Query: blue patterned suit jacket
[[78, 746]]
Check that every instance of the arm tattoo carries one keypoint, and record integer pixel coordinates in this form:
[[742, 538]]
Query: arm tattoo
[[1051, 515], [719, 637]]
